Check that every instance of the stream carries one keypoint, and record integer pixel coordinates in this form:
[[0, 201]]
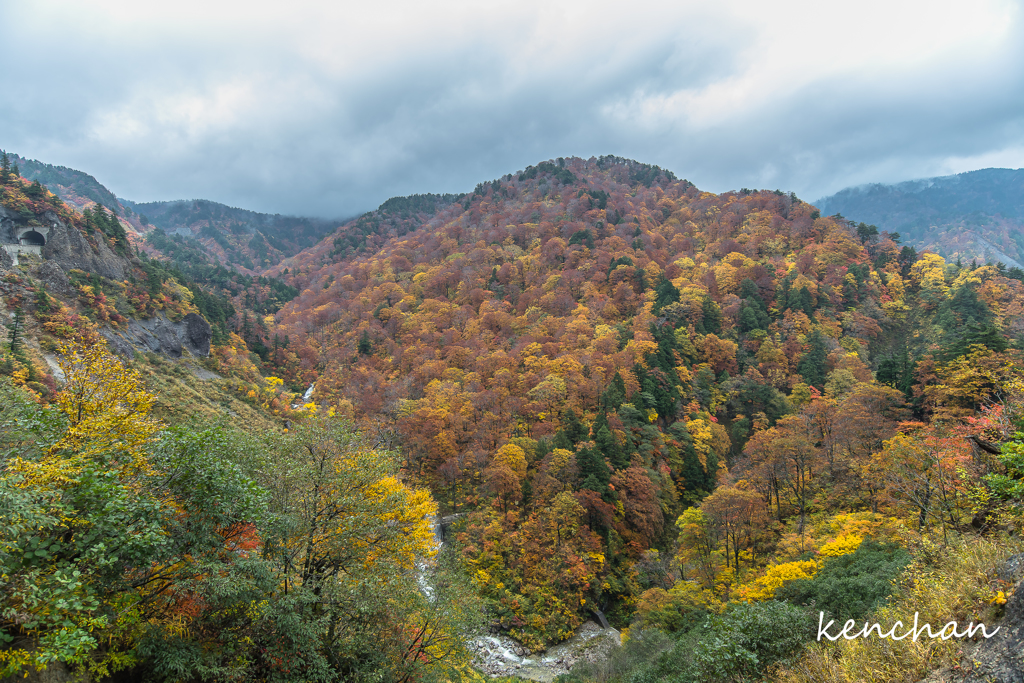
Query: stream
[[502, 656], [499, 655], [305, 397]]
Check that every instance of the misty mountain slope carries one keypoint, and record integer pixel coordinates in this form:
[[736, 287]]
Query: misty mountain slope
[[219, 234], [395, 217], [235, 237], [977, 215]]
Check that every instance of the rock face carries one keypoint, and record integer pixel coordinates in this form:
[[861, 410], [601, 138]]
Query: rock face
[[1001, 659], [64, 244], [159, 335], [7, 236], [445, 525], [55, 279], [8, 221], [502, 656], [197, 334], [69, 248]]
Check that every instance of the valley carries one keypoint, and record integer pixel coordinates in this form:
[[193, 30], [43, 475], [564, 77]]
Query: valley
[[688, 415]]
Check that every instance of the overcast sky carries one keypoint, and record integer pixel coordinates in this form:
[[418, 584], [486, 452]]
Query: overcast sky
[[329, 108]]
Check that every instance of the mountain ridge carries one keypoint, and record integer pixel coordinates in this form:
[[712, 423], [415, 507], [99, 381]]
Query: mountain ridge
[[221, 229], [596, 331], [972, 215]]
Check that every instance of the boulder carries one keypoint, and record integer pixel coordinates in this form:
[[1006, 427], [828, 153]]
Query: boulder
[[195, 334]]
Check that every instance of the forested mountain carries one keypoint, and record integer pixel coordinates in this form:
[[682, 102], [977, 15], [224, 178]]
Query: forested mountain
[[702, 418], [397, 216], [235, 237], [73, 187], [976, 215], [238, 239], [139, 535], [577, 354], [219, 248]]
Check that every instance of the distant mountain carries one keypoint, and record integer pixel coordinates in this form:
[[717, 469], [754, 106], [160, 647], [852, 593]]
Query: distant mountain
[[199, 230], [976, 215], [238, 237]]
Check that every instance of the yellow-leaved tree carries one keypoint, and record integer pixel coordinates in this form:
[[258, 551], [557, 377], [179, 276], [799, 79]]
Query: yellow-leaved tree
[[194, 552], [358, 551], [75, 514], [108, 417]]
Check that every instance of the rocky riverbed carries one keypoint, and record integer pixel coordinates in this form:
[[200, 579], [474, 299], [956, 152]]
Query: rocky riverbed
[[502, 656]]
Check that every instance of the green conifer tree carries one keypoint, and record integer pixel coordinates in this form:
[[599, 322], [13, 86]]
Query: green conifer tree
[[812, 364], [246, 327], [574, 430], [593, 471], [665, 293], [364, 346], [17, 325], [615, 394], [712, 317], [610, 448], [561, 441]]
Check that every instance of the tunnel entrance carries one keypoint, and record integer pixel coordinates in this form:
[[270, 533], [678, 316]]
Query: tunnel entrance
[[33, 239]]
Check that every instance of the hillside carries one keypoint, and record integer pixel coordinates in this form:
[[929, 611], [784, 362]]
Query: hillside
[[155, 503], [88, 280], [241, 239], [976, 215], [577, 354], [629, 401], [238, 239], [73, 187]]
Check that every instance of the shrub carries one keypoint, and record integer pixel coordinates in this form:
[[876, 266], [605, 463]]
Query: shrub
[[850, 586], [635, 654], [748, 637], [738, 645]]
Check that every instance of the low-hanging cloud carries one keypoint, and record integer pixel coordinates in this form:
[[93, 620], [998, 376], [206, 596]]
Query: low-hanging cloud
[[329, 111]]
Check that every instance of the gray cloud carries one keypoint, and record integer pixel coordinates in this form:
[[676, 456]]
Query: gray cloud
[[330, 112]]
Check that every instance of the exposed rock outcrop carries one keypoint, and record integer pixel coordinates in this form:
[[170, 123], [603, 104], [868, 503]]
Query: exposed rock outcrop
[[445, 524], [8, 222], [64, 245], [1001, 659], [70, 249], [159, 335], [502, 656], [56, 280]]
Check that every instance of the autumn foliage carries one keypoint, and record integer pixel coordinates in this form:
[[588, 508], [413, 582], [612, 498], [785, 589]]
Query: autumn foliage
[[641, 344]]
